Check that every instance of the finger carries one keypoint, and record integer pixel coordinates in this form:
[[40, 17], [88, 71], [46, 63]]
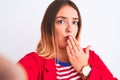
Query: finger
[[68, 51], [69, 44], [78, 45], [73, 44], [87, 49], [70, 48]]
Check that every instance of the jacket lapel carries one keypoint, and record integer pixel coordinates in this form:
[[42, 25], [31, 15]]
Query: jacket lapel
[[50, 70]]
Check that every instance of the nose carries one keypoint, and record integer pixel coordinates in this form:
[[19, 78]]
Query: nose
[[69, 28]]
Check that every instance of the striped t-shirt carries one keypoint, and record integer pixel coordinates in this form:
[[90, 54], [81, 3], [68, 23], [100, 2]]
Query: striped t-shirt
[[66, 72]]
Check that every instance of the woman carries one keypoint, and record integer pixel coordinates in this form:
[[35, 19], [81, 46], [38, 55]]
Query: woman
[[59, 54]]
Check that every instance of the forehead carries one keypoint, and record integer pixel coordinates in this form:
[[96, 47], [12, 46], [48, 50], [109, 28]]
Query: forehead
[[67, 11]]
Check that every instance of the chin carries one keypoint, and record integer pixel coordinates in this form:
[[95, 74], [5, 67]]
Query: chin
[[63, 46]]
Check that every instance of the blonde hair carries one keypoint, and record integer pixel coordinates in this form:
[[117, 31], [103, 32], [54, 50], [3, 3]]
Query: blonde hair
[[46, 46]]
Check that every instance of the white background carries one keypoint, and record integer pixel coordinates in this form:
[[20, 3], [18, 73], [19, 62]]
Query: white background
[[20, 28]]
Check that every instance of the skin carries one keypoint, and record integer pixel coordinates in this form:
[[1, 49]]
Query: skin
[[11, 71], [69, 49]]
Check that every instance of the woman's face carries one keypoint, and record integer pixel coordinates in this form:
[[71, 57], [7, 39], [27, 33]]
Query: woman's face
[[66, 24]]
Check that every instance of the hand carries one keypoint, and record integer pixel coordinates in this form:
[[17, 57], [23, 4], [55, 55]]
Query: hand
[[11, 71], [78, 58]]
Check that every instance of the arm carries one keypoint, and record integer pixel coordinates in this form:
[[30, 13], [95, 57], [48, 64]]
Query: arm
[[9, 70], [99, 69]]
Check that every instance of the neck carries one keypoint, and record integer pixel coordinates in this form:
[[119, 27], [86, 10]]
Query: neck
[[62, 55]]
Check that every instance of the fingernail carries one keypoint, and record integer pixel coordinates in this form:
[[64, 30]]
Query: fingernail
[[70, 37]]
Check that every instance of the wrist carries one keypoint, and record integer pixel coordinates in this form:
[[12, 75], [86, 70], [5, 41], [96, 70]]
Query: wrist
[[85, 71]]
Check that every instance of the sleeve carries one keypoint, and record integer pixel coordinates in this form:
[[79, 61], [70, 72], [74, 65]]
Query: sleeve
[[99, 69], [30, 64]]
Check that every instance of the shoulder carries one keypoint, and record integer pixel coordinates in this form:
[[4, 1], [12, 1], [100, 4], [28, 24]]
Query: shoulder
[[31, 58], [32, 63], [92, 53], [33, 55], [94, 58]]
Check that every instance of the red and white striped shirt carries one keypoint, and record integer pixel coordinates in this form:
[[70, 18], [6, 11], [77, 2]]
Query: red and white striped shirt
[[66, 72]]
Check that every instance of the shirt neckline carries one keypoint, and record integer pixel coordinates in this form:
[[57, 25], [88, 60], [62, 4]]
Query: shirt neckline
[[62, 63]]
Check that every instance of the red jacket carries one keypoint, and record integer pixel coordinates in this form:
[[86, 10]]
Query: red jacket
[[39, 68]]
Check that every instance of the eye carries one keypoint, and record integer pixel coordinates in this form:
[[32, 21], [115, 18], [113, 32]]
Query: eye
[[75, 22], [60, 21]]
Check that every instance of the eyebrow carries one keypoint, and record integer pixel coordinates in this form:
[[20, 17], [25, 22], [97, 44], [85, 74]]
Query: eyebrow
[[66, 18]]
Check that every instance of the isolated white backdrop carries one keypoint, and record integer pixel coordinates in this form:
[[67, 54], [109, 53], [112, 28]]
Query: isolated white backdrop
[[20, 28]]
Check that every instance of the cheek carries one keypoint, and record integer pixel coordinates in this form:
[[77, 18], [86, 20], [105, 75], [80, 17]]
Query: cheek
[[75, 30], [59, 30], [58, 34]]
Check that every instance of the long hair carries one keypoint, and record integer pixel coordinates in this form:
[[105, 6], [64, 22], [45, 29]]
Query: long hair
[[46, 46]]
